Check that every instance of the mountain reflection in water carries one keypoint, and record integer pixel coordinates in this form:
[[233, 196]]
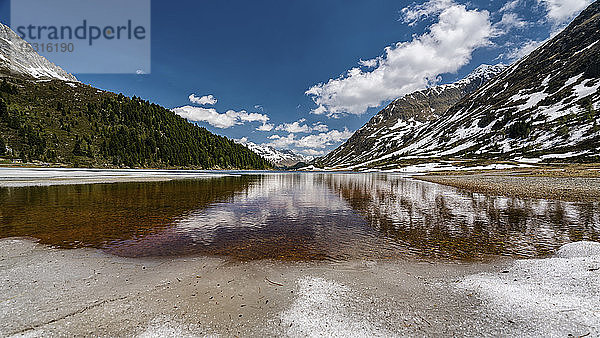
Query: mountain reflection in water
[[294, 216]]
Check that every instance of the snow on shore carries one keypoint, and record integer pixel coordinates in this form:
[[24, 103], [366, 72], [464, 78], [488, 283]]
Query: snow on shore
[[557, 296], [18, 177], [328, 309]]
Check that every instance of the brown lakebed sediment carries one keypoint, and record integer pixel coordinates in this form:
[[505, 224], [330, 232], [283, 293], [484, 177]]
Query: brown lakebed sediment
[[293, 217]]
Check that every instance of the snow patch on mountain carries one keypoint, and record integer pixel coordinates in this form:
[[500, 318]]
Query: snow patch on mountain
[[280, 158], [402, 119], [19, 58], [545, 106]]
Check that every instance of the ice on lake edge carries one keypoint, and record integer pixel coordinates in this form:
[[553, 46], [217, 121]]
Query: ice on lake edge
[[23, 177], [556, 296]]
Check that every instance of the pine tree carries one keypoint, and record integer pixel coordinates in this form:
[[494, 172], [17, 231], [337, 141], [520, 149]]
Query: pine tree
[[3, 110], [2, 147]]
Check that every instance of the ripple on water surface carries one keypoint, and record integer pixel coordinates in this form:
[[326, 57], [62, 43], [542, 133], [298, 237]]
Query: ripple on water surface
[[305, 216]]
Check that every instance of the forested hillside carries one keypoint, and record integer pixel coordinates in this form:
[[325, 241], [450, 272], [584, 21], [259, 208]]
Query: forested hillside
[[75, 124]]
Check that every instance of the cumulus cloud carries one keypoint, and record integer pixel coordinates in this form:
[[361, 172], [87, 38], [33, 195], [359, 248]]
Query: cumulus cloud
[[265, 127], [312, 152], [408, 66], [522, 50], [413, 14], [369, 63], [324, 140], [509, 21], [206, 100], [321, 127], [509, 6], [218, 120], [315, 141], [294, 127], [301, 127], [562, 11], [284, 142]]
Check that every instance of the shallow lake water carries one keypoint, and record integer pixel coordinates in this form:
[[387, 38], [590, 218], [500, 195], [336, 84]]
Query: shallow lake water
[[294, 216]]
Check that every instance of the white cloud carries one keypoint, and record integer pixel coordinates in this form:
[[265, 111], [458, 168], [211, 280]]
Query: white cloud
[[215, 119], [562, 11], [320, 110], [312, 152], [508, 22], [282, 142], [301, 127], [294, 127], [315, 141], [265, 127], [204, 100], [522, 50], [324, 140], [509, 6], [321, 127], [369, 63], [413, 14], [408, 66]]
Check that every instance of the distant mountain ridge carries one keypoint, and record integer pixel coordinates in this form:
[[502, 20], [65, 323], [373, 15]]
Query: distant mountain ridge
[[279, 158], [546, 106], [17, 57], [388, 130]]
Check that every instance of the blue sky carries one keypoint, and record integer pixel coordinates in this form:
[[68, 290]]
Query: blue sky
[[321, 64]]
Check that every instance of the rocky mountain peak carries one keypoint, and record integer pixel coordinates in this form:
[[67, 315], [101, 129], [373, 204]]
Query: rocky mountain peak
[[544, 107], [18, 58], [397, 122]]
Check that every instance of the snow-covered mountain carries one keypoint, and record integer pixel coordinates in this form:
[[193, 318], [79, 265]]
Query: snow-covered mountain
[[17, 57], [397, 123], [545, 106], [279, 158]]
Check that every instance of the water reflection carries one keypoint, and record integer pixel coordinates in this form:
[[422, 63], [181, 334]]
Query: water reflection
[[96, 214], [293, 217], [434, 220]]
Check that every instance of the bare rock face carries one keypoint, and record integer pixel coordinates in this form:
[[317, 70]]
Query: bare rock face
[[18, 58]]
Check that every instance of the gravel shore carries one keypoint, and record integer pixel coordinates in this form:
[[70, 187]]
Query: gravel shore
[[574, 189]]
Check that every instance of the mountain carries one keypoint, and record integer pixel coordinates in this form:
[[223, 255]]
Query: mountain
[[17, 57], [398, 123], [61, 121], [280, 158], [545, 107]]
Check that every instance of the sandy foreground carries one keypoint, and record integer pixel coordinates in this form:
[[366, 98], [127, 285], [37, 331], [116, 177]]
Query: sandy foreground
[[53, 292]]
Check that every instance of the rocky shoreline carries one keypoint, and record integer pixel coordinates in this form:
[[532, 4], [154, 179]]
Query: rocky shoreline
[[572, 189]]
